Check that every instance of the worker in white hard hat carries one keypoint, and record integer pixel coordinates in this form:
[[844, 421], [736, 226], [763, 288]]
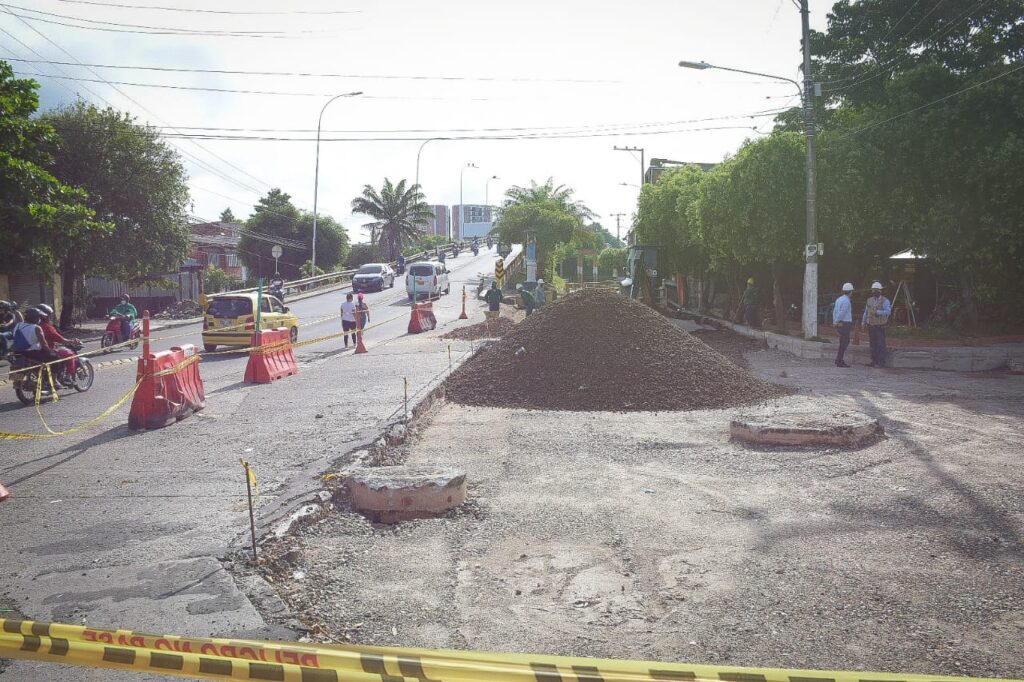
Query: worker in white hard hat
[[876, 316], [540, 294], [842, 319]]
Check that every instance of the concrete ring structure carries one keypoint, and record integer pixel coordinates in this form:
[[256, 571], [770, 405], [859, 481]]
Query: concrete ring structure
[[805, 427], [399, 493]]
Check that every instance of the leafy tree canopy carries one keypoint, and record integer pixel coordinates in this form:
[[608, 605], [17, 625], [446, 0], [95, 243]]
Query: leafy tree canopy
[[397, 212]]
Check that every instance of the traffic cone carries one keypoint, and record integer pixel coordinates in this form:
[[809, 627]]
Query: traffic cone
[[463, 316], [4, 494]]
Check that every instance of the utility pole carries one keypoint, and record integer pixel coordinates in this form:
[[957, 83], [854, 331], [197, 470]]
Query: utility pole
[[810, 307], [635, 149], [618, 226]]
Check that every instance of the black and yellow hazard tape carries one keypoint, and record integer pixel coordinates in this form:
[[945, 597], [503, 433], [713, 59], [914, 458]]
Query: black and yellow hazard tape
[[227, 659]]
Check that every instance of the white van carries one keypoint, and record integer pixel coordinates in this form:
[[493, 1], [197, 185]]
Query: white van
[[427, 280]]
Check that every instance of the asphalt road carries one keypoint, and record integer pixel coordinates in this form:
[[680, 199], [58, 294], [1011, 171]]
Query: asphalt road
[[124, 529]]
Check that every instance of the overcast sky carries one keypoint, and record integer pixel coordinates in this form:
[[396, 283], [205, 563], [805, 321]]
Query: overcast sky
[[568, 67]]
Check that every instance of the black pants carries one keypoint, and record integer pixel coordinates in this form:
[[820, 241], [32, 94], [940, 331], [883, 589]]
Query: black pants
[[843, 328], [876, 335], [347, 325]]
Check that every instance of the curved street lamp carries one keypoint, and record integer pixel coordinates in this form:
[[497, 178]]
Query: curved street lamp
[[316, 174], [810, 298]]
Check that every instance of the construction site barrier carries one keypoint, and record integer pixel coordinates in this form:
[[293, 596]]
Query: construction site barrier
[[422, 318], [230, 659], [4, 493], [170, 388], [271, 357]]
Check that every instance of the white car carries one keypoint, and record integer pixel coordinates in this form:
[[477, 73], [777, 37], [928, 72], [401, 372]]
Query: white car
[[427, 280]]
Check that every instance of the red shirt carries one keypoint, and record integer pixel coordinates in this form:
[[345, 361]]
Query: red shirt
[[50, 333]]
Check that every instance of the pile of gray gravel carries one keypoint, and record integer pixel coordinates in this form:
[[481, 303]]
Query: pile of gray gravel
[[598, 350]]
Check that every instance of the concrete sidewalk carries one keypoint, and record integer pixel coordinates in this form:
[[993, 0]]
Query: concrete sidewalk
[[128, 530]]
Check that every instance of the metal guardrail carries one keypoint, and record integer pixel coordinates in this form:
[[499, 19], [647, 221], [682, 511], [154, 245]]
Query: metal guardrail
[[331, 278]]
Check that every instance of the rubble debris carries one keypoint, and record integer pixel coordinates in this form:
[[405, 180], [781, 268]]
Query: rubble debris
[[627, 356], [181, 310]]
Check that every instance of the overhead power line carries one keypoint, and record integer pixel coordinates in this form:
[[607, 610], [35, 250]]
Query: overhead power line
[[306, 74], [934, 102], [164, 31], [213, 11]]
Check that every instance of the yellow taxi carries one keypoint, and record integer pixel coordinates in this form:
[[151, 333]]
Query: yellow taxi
[[230, 319]]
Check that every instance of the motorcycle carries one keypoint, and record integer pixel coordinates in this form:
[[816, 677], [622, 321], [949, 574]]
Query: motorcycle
[[476, 250], [112, 336], [26, 375], [400, 269]]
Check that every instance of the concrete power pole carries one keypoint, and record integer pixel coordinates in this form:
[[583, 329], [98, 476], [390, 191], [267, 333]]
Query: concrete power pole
[[810, 308], [618, 226]]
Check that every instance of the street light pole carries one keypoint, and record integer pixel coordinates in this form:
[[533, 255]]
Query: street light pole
[[316, 174], [810, 297], [420, 151], [810, 311], [462, 209]]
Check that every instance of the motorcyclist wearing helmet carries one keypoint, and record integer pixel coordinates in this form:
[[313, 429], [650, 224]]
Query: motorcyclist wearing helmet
[[64, 348], [29, 339], [9, 318], [129, 312]]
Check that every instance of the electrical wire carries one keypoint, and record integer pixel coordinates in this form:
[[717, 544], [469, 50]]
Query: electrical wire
[[933, 102], [167, 32], [172, 29], [211, 11], [307, 74]]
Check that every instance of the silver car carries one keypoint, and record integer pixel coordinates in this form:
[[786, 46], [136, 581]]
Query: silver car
[[373, 277]]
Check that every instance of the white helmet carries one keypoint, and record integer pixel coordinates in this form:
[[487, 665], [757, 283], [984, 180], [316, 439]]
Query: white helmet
[[877, 285], [540, 281], [848, 286]]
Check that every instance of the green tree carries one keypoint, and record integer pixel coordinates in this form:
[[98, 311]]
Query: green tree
[[275, 220], [665, 219], [363, 254], [397, 215], [134, 181], [226, 216], [549, 214], [37, 210]]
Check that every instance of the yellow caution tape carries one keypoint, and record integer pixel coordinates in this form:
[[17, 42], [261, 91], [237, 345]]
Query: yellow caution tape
[[51, 433], [229, 659]]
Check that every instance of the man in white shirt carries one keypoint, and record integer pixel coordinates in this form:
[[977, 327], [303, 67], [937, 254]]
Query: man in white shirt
[[348, 318], [842, 319]]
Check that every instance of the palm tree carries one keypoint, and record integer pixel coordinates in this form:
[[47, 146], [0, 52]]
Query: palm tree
[[548, 193], [397, 212]]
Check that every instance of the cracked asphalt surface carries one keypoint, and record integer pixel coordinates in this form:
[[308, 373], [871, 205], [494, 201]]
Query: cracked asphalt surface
[[653, 536], [117, 529]]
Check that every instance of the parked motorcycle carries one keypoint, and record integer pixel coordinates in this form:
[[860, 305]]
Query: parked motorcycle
[[112, 336], [27, 374]]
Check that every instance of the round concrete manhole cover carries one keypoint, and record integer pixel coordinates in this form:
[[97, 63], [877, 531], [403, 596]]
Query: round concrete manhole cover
[[398, 493], [812, 425]]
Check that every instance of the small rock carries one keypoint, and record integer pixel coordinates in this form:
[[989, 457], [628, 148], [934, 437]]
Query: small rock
[[319, 416]]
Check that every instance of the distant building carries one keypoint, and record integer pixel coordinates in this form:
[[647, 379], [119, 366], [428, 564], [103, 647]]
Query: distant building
[[217, 244], [439, 225], [659, 166], [473, 220]]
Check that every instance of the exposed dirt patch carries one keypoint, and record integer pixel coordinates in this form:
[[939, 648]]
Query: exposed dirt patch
[[488, 329], [598, 350]]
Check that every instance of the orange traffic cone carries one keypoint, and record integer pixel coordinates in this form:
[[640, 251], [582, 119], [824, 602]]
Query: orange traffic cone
[[463, 316]]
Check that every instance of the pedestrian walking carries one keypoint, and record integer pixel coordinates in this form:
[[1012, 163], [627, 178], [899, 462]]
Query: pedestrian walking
[[876, 316], [348, 318], [364, 311], [842, 318], [541, 295], [748, 305]]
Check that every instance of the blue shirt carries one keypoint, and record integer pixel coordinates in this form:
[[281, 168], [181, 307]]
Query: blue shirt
[[843, 311]]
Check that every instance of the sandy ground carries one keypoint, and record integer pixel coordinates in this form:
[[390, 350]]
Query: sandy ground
[[652, 536]]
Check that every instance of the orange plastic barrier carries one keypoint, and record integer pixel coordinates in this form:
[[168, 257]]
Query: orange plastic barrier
[[422, 319], [171, 388], [272, 357]]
